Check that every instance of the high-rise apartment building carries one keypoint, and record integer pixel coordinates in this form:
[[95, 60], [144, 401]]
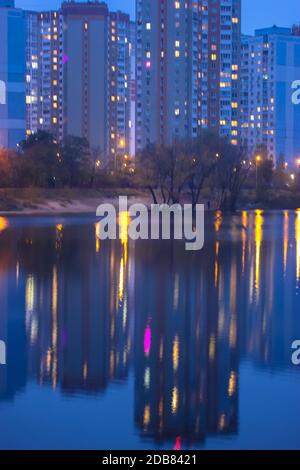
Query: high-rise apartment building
[[44, 77], [220, 66], [50, 87], [188, 65], [270, 65], [12, 74], [79, 62], [32, 71], [132, 52], [118, 105], [168, 48], [85, 30]]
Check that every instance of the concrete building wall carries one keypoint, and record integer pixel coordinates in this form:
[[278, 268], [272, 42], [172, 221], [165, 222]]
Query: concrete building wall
[[85, 72]]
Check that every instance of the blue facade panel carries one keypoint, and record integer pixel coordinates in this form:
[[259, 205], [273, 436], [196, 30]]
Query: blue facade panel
[[16, 106], [16, 41], [297, 55], [14, 57], [281, 53]]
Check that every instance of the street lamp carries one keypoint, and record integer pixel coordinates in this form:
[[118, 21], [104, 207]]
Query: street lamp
[[257, 161]]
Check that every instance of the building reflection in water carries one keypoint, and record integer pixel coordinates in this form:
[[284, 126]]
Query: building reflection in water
[[77, 314]]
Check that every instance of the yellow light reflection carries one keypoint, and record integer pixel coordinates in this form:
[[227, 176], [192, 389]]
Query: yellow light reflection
[[176, 353], [174, 400], [297, 236], [212, 348], [147, 416], [97, 237], [4, 224], [30, 293], [59, 236], [54, 326], [85, 371], [121, 280], [222, 422], [218, 221], [259, 221], [217, 263], [17, 272], [124, 221], [232, 384], [112, 363], [244, 238]]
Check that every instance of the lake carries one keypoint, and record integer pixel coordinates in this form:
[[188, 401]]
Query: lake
[[143, 345]]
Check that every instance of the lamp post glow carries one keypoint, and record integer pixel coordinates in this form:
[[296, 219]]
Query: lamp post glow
[[257, 161]]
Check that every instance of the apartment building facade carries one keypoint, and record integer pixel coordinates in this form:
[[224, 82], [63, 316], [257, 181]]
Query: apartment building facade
[[187, 71], [270, 65]]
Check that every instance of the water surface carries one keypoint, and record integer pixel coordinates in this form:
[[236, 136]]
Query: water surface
[[142, 345]]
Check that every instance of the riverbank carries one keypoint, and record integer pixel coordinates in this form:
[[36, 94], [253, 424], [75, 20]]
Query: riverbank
[[36, 201], [62, 201]]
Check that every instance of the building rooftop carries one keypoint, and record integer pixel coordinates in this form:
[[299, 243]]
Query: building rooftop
[[273, 30]]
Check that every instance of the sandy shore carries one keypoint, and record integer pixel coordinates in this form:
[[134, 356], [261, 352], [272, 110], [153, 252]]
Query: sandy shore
[[38, 202]]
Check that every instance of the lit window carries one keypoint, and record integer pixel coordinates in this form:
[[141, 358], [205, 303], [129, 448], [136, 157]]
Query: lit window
[[148, 26]]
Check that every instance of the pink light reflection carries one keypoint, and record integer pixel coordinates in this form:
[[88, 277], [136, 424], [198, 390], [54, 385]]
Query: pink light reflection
[[147, 341]]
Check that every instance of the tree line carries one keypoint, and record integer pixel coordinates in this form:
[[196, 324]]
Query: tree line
[[208, 167]]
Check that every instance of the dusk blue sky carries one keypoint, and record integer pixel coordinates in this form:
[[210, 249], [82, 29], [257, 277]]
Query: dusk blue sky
[[256, 13]]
